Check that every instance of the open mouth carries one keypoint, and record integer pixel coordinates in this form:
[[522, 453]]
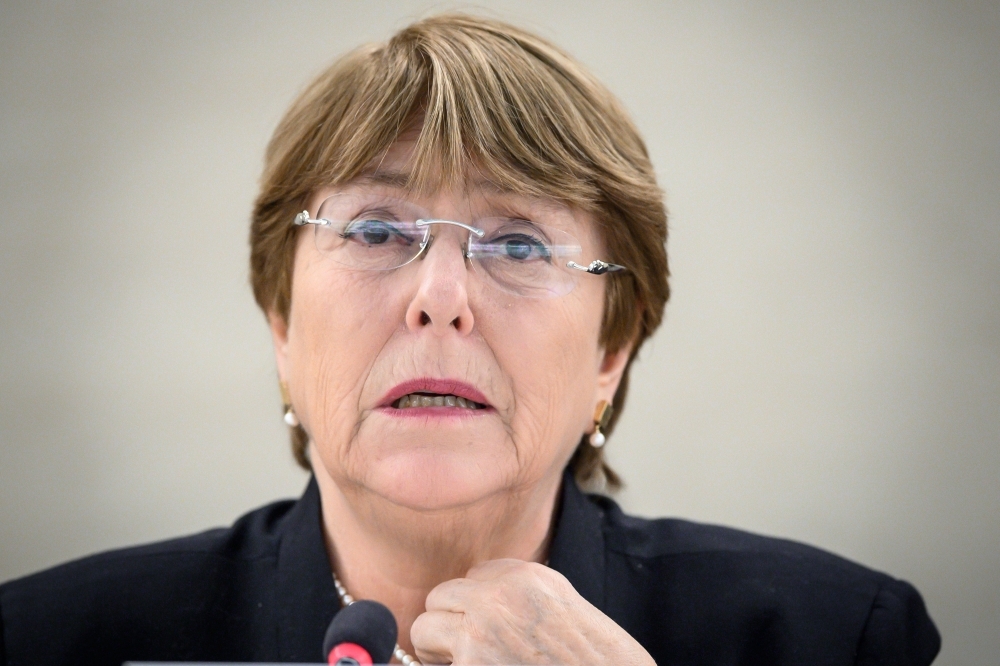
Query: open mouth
[[421, 399], [443, 396]]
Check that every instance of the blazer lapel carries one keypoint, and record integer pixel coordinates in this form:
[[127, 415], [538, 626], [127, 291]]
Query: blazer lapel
[[307, 600]]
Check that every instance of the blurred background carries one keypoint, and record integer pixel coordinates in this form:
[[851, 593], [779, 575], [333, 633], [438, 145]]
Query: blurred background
[[829, 369]]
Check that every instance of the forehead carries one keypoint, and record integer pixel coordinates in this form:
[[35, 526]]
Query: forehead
[[473, 191], [396, 168], [392, 174]]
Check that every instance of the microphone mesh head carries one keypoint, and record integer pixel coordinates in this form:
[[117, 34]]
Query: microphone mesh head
[[366, 623]]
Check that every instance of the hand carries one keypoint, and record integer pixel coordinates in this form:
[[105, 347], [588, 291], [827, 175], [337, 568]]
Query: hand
[[514, 612]]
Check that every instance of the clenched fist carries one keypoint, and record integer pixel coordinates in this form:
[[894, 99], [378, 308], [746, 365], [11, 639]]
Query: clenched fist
[[514, 612]]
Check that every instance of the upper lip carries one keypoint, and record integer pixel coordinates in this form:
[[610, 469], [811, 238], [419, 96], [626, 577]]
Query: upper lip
[[431, 385]]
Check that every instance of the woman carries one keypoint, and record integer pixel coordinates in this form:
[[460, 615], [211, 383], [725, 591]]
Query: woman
[[459, 248]]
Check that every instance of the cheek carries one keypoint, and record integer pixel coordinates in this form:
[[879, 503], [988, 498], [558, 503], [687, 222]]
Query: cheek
[[339, 322], [549, 349]]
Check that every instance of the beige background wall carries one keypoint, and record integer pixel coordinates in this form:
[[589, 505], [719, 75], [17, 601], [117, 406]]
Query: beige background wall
[[830, 366]]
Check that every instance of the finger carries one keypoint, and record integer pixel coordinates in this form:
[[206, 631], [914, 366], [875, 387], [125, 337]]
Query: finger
[[492, 569], [433, 634], [451, 595]]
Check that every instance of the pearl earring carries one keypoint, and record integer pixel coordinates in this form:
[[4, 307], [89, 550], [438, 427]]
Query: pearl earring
[[290, 418], [601, 417]]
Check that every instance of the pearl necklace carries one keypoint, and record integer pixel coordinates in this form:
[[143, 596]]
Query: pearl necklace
[[347, 600]]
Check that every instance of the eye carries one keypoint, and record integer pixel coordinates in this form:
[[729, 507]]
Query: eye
[[520, 247], [375, 232]]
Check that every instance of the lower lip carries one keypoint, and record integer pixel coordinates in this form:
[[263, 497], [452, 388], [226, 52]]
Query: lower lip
[[435, 412]]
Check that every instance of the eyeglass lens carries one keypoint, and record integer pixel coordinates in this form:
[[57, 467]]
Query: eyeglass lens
[[377, 233]]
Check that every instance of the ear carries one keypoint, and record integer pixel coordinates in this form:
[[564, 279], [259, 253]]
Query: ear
[[609, 375], [279, 338]]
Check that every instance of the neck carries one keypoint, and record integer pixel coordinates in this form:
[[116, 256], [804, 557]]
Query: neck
[[396, 555]]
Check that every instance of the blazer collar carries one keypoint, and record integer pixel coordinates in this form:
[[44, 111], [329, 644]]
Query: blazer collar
[[577, 550], [306, 599]]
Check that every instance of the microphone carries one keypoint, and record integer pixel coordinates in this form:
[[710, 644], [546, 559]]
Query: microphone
[[362, 634]]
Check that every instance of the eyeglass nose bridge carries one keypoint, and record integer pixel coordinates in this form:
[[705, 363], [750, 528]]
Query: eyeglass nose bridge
[[428, 237]]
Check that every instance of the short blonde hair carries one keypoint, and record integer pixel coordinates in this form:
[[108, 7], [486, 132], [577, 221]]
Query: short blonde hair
[[491, 97]]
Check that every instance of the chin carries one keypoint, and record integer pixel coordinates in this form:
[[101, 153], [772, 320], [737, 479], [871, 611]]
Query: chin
[[426, 479], [433, 464]]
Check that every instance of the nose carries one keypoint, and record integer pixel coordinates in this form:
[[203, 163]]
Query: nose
[[441, 302]]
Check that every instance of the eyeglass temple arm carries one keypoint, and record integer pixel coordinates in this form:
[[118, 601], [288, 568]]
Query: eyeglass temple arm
[[596, 267], [303, 218]]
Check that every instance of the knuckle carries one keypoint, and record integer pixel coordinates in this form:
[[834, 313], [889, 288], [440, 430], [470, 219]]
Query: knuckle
[[419, 627]]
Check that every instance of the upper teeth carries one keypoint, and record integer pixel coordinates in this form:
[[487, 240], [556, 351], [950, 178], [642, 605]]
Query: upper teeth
[[420, 400]]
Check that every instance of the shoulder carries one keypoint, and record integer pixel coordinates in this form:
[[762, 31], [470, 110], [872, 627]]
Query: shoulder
[[134, 593], [252, 537], [658, 538], [727, 589]]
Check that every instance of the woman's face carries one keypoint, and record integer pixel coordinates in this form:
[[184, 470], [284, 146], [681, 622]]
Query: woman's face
[[356, 342]]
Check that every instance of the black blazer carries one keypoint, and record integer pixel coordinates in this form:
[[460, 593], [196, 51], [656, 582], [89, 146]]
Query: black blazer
[[261, 590]]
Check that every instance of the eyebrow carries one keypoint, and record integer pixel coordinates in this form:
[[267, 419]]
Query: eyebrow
[[396, 179], [401, 179]]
